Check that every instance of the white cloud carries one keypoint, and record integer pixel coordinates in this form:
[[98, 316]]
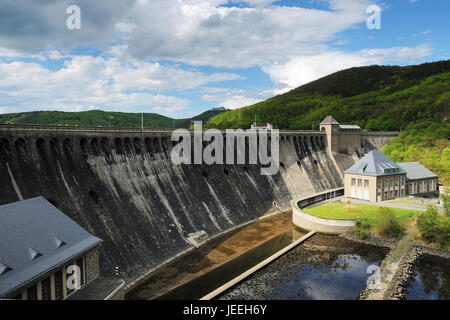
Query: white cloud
[[303, 69], [87, 82], [235, 98], [201, 33]]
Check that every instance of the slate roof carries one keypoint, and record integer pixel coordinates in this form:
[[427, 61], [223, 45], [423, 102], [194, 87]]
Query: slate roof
[[373, 164], [36, 237], [415, 170], [329, 120]]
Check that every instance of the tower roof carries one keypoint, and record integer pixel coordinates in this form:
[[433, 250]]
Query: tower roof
[[329, 120]]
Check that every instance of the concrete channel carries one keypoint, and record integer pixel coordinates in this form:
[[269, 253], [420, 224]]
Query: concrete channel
[[202, 270]]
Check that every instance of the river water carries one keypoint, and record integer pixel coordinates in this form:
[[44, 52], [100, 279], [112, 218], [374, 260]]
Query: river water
[[431, 280]]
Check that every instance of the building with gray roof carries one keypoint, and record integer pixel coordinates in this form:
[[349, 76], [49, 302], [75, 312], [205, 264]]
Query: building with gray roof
[[375, 177], [421, 181], [38, 243]]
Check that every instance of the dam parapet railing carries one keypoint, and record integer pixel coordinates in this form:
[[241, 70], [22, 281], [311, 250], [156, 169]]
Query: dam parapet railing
[[65, 128], [310, 222]]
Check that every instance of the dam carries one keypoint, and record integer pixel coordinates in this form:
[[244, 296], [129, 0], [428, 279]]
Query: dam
[[121, 186]]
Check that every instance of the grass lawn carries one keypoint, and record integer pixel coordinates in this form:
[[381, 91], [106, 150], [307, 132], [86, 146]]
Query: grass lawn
[[367, 213]]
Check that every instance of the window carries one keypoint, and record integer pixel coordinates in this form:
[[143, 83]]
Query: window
[[433, 185], [403, 181], [396, 182], [391, 182], [59, 285], [32, 293], [379, 184], [359, 182], [396, 193], [403, 192], [391, 194], [366, 183], [353, 181], [385, 183], [46, 293], [385, 195]]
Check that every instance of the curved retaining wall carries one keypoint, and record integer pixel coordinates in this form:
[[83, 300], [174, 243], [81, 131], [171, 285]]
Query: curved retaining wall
[[307, 221]]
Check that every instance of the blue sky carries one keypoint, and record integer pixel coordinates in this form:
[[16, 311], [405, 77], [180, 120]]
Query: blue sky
[[180, 58]]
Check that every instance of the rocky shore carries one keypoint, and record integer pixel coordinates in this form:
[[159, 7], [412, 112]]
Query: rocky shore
[[400, 281], [322, 251], [371, 240], [398, 288]]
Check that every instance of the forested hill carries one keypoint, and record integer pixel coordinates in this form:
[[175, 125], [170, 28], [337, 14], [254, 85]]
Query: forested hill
[[412, 99], [102, 118], [376, 98]]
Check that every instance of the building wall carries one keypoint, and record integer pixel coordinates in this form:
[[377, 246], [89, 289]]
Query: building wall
[[361, 191], [392, 190], [92, 264], [423, 187], [90, 270], [383, 186]]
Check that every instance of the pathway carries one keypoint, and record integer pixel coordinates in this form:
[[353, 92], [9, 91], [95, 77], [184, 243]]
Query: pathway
[[378, 287]]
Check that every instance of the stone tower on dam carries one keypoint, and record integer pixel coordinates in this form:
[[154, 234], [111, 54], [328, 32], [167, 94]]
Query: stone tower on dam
[[121, 186]]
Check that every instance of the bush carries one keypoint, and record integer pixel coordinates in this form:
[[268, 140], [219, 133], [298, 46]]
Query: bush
[[445, 196], [363, 234], [362, 228], [434, 227], [389, 225]]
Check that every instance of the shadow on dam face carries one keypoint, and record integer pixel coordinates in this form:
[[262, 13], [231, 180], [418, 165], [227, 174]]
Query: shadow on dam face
[[122, 187], [202, 270]]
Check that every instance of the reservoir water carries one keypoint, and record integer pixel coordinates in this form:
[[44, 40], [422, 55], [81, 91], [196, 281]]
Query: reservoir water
[[326, 267], [431, 280]]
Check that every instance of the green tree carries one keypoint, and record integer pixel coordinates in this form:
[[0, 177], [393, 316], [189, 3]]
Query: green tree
[[389, 225]]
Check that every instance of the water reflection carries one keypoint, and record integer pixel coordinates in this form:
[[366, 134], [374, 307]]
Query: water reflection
[[334, 274], [431, 280]]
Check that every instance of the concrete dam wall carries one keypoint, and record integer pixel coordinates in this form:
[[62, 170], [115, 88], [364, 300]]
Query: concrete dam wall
[[121, 186]]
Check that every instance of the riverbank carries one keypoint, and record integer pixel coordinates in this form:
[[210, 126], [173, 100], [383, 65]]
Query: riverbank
[[395, 275]]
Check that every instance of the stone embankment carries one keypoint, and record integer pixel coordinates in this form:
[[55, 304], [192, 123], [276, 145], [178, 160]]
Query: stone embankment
[[397, 289], [371, 240], [394, 276]]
